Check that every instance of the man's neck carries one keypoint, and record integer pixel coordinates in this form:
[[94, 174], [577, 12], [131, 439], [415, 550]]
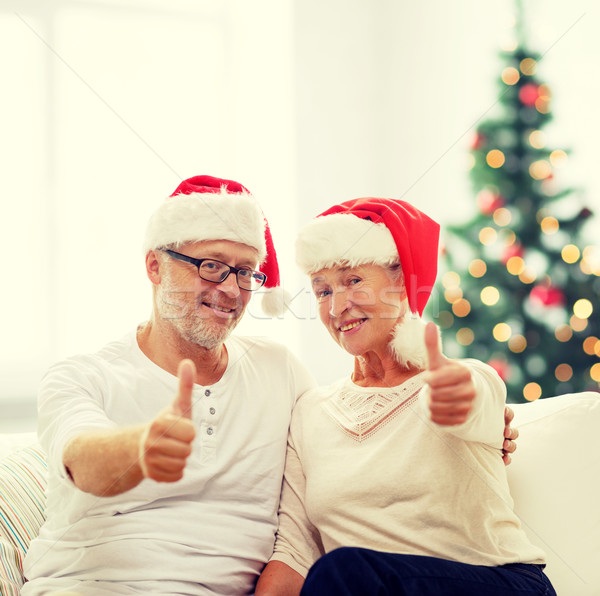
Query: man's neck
[[167, 349]]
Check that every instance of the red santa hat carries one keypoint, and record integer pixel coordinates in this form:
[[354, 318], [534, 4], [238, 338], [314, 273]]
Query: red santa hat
[[381, 232], [208, 208]]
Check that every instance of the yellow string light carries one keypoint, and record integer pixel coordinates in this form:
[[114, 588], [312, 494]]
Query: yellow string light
[[502, 332], [532, 391], [490, 295], [450, 279], [453, 294], [461, 308], [465, 336], [563, 372], [510, 76], [583, 308], [528, 66], [477, 268], [540, 169], [528, 276], [515, 265], [517, 344], [488, 236], [589, 345], [570, 253], [502, 216], [595, 372], [549, 225], [558, 157], [495, 158], [537, 139], [578, 324], [563, 333]]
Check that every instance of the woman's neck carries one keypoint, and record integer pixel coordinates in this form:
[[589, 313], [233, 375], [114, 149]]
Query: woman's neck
[[375, 370]]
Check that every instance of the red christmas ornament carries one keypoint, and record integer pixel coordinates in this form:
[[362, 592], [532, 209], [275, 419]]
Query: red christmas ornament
[[478, 142], [488, 202], [514, 250], [501, 367], [528, 94], [546, 296]]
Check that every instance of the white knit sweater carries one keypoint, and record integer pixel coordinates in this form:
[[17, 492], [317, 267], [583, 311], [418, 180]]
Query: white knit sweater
[[366, 467]]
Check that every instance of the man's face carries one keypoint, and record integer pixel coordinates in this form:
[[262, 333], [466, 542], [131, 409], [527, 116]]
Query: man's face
[[200, 311]]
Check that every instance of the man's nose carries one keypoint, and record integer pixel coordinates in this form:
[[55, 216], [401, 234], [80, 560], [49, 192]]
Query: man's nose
[[229, 285]]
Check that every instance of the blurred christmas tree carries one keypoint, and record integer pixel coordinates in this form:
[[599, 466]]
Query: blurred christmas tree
[[521, 285]]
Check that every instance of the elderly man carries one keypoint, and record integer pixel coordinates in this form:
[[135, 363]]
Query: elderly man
[[166, 448]]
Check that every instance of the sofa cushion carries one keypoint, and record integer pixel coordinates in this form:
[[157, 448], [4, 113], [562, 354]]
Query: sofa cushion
[[22, 502], [555, 482]]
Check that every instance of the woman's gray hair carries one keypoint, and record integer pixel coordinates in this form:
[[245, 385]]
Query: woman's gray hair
[[395, 272]]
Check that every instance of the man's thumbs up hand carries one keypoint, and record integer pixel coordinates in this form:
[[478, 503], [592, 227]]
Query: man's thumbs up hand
[[451, 389], [166, 441], [182, 404]]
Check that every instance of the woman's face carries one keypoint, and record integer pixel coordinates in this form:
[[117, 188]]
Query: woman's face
[[360, 306]]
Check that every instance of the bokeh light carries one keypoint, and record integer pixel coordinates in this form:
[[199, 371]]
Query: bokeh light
[[517, 344], [549, 225], [488, 236], [563, 333], [461, 308], [570, 253], [537, 139], [490, 295], [465, 336], [502, 216], [502, 332], [515, 265], [451, 279], [528, 66], [540, 169], [532, 391], [558, 157], [578, 324], [453, 294], [477, 268], [510, 76], [589, 345], [495, 158], [583, 308], [563, 372]]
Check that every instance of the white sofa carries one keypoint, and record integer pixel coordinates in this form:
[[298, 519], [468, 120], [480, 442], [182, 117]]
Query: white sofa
[[554, 478]]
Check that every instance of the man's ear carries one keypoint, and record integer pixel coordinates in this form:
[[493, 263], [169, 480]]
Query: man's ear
[[153, 267]]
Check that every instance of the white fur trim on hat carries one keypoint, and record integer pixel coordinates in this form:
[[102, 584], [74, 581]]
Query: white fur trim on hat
[[207, 216], [408, 342], [343, 238]]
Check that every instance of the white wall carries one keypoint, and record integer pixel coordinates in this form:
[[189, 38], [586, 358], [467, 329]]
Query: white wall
[[107, 105]]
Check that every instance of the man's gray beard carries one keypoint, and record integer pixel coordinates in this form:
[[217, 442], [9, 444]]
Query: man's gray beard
[[190, 326]]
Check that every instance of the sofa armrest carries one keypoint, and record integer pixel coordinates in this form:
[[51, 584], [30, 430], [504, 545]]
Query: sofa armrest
[[555, 482]]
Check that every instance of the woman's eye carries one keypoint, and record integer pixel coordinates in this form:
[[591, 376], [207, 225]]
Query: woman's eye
[[354, 280], [322, 293]]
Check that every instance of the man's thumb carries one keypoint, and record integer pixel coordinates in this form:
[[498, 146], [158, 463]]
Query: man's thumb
[[432, 343], [182, 404]]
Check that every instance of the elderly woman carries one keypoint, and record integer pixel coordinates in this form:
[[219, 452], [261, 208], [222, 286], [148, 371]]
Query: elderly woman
[[394, 478]]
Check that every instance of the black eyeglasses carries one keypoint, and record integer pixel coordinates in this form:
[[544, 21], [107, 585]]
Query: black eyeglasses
[[217, 272]]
